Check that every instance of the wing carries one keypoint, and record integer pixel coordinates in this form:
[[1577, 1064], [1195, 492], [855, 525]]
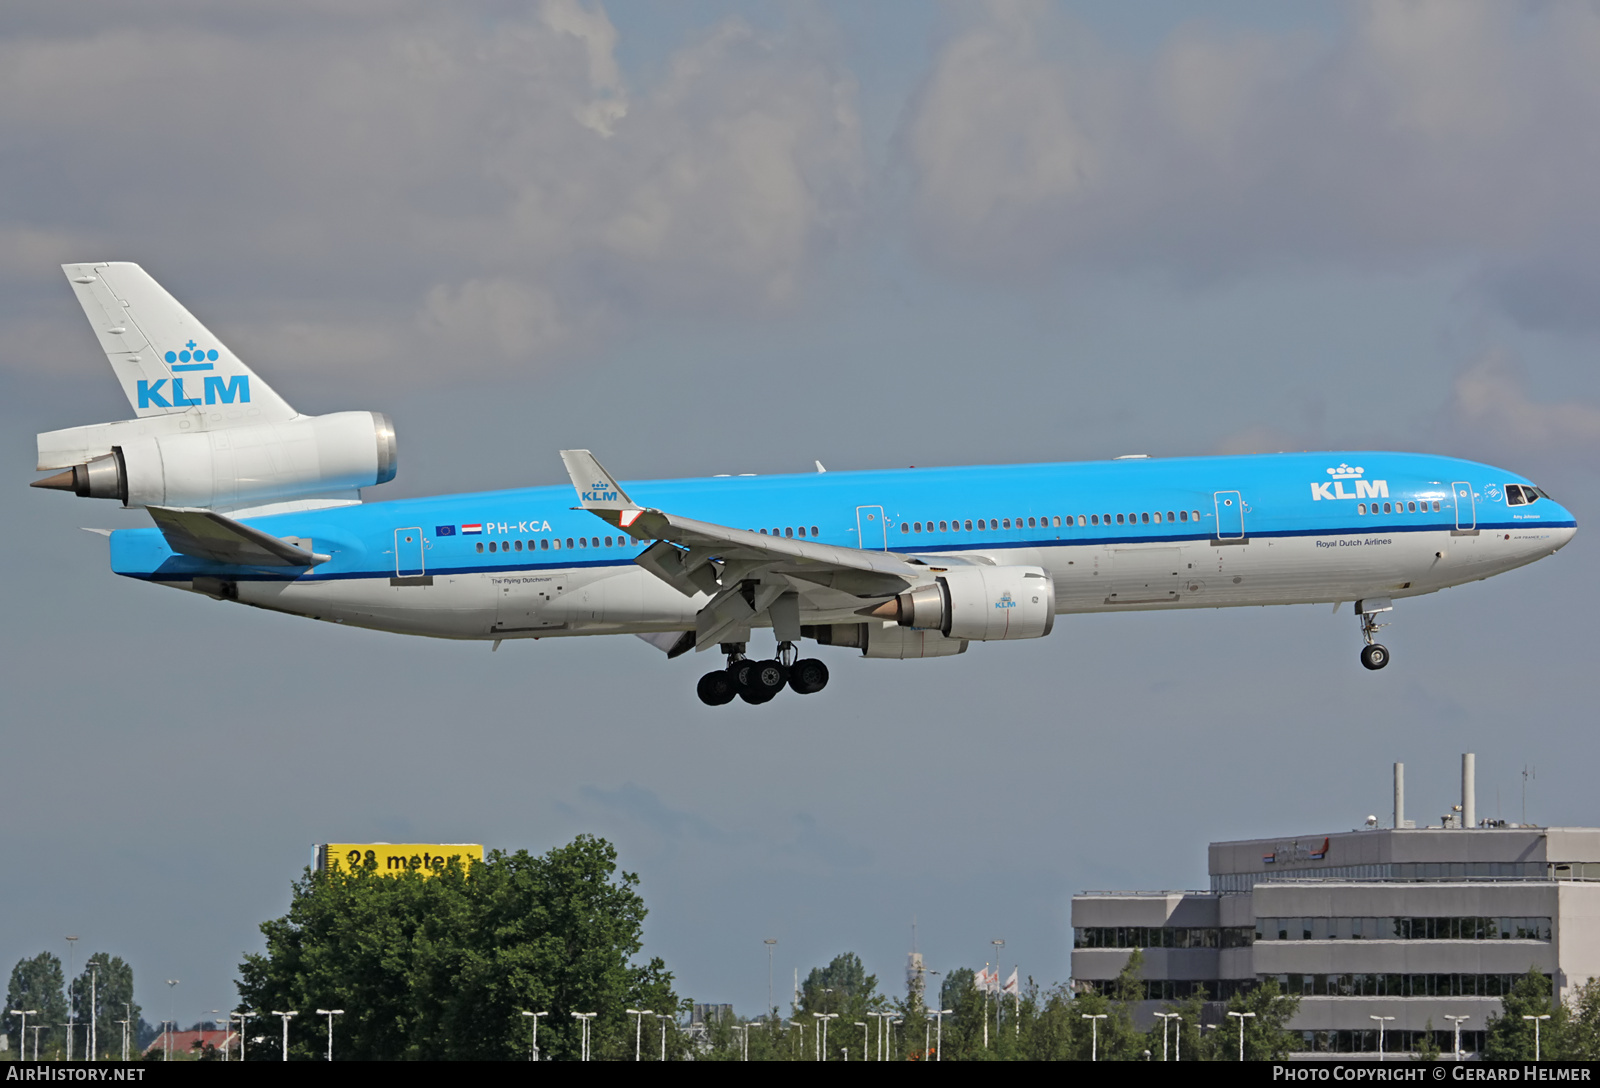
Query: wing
[[205, 534], [746, 574]]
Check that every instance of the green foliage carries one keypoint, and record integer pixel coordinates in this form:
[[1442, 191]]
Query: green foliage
[[1428, 1048], [112, 993], [1511, 1038], [1583, 1025], [442, 967], [1265, 1038], [39, 984]]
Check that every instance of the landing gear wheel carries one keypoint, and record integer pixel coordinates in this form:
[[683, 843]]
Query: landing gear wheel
[[808, 676], [762, 680], [1375, 656], [716, 688]]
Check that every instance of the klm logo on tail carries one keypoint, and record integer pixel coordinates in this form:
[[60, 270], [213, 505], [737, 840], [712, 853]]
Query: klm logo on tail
[[600, 494]]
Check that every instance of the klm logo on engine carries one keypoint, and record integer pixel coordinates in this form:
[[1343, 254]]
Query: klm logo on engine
[[598, 493], [1334, 488], [1005, 601], [216, 391]]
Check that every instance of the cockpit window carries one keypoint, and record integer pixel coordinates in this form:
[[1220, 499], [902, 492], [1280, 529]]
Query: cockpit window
[[1522, 494]]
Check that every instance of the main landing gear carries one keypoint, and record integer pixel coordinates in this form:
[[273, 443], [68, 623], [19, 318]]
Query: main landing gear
[[1373, 655], [760, 681]]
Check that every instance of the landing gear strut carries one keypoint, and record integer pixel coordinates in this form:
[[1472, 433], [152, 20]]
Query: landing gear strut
[[1373, 655], [758, 682]]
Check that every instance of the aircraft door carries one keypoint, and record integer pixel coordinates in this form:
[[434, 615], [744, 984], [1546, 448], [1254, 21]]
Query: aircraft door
[[1466, 511], [1230, 515], [871, 533], [408, 562]]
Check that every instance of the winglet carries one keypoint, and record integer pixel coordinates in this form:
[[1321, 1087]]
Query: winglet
[[598, 490]]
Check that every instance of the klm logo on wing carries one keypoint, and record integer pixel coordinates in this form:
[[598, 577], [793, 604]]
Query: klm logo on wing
[[1005, 601], [216, 390], [598, 493], [1334, 488]]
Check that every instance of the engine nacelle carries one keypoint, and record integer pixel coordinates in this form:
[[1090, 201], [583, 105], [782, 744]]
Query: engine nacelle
[[886, 640], [984, 604], [230, 466]]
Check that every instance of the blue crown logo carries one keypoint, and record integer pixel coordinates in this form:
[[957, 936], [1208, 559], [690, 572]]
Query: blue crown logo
[[190, 352]]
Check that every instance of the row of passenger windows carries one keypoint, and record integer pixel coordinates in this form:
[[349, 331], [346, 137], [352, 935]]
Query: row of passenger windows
[[790, 531], [1139, 518], [549, 543], [1399, 507]]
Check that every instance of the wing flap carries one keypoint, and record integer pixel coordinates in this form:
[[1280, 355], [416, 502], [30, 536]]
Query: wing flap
[[206, 534]]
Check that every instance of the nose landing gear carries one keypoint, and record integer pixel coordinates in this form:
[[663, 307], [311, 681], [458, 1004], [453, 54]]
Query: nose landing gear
[[758, 682], [1373, 655]]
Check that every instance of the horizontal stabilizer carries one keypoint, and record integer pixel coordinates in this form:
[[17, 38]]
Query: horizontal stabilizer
[[205, 534]]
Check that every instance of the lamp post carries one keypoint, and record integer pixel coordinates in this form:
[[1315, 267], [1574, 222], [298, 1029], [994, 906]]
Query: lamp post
[[285, 1017], [816, 1041], [877, 1053], [1165, 1016], [124, 1024], [771, 943], [223, 1025], [330, 1014], [1243, 1016], [22, 1045], [583, 1019], [94, 1009], [1381, 1021], [1094, 1034], [938, 1046], [862, 1024], [1457, 1020], [663, 1017], [1536, 1019], [244, 1017], [638, 1029], [172, 1007], [533, 1049]]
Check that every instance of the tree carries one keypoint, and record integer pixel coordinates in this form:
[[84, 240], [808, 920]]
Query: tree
[[1265, 1038], [442, 967], [1583, 1026], [38, 984], [112, 992], [1508, 1037]]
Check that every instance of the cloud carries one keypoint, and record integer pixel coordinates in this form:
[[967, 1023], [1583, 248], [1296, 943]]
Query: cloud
[[477, 183], [1489, 400], [1421, 134]]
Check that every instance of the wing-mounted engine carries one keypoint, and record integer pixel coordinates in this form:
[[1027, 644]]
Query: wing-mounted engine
[[983, 604], [152, 463]]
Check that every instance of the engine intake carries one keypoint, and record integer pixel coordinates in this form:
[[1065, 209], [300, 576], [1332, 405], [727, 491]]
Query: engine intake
[[983, 604]]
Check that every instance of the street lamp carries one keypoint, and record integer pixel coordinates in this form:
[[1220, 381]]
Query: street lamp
[[244, 1017], [1165, 1016], [877, 1053], [22, 1046], [771, 943], [938, 1048], [583, 1018], [285, 1016], [1243, 1016], [1094, 1034], [172, 1007], [862, 1024], [124, 1024], [330, 1014], [1536, 1019], [94, 1009], [663, 1017], [638, 1029], [1381, 1021], [533, 1051], [1457, 1020]]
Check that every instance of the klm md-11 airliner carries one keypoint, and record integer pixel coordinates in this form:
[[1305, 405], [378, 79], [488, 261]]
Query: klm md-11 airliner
[[254, 502]]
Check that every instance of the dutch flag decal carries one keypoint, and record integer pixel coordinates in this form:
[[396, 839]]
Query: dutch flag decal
[[472, 530]]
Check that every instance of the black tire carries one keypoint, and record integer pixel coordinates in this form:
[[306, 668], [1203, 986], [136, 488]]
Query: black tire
[[766, 678], [1374, 657], [740, 672], [716, 688], [808, 676]]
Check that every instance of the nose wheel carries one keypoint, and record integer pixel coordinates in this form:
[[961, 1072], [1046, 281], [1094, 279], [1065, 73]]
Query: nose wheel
[[758, 682], [1374, 655]]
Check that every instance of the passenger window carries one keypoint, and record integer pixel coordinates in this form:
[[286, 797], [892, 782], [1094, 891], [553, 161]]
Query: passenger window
[[1435, 506], [594, 542], [789, 530], [1006, 524], [941, 527], [1145, 517], [1119, 519], [1196, 514], [763, 532], [1095, 518], [569, 542], [480, 545], [608, 542], [544, 545], [802, 532], [969, 526], [1183, 515], [583, 542], [1158, 517], [905, 526], [1170, 517], [1386, 509], [1411, 508], [1361, 508], [491, 545], [519, 545]]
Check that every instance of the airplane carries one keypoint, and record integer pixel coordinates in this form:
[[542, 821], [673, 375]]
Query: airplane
[[258, 504]]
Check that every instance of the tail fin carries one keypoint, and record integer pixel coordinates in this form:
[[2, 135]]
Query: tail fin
[[168, 363]]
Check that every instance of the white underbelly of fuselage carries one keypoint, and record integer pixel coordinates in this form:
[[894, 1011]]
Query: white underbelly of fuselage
[[1088, 578]]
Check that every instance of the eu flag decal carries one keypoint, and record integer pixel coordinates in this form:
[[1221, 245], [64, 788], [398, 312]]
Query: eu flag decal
[[444, 530]]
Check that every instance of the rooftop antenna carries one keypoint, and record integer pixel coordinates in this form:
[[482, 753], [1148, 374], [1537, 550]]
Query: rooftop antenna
[[1527, 773]]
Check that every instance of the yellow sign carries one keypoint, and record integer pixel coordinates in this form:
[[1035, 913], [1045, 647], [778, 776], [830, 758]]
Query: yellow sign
[[394, 858]]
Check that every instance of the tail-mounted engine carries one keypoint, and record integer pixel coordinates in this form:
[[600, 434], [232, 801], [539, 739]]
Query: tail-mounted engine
[[222, 468]]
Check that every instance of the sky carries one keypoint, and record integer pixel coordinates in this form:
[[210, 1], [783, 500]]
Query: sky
[[713, 237]]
